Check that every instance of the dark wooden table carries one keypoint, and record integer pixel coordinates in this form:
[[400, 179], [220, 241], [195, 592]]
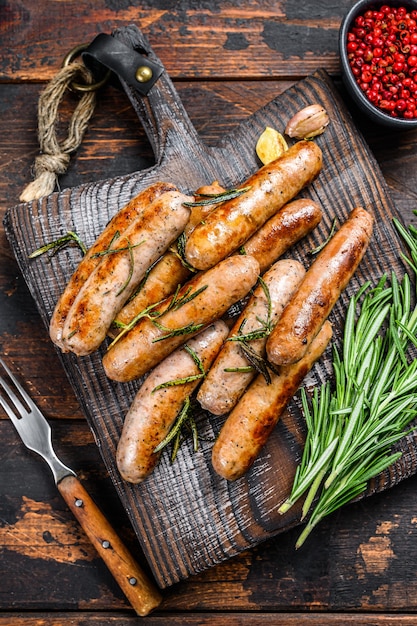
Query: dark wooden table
[[227, 59]]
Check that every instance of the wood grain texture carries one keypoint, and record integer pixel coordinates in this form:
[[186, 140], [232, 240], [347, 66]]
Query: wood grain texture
[[260, 38], [187, 519], [219, 619]]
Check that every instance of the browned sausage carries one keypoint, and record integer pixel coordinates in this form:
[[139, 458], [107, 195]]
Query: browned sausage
[[247, 428], [168, 273], [150, 341], [154, 411], [162, 280], [199, 213], [328, 275], [118, 274], [226, 382], [293, 222], [89, 262], [234, 221]]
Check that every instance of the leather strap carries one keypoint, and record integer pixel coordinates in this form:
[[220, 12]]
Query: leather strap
[[135, 69]]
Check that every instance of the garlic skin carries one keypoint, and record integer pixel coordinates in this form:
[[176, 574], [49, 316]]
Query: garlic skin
[[308, 123]]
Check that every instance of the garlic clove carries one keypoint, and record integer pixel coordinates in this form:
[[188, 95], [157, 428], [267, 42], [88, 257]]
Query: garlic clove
[[308, 123]]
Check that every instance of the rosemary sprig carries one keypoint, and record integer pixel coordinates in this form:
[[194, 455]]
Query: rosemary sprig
[[151, 312], [410, 237], [185, 419], [265, 325], [129, 248], [187, 297], [55, 246], [186, 379], [142, 282], [244, 369], [326, 241], [179, 250], [109, 251], [352, 428], [216, 198], [174, 305], [176, 332], [131, 268], [256, 361]]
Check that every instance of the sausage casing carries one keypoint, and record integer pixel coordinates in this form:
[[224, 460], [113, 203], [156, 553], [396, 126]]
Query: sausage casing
[[247, 428], [169, 272], [154, 411], [225, 383], [121, 269], [293, 222], [121, 220], [326, 278], [234, 221], [149, 341]]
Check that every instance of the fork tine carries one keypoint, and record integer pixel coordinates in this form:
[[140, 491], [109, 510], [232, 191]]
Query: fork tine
[[6, 407], [12, 395], [10, 412], [18, 386]]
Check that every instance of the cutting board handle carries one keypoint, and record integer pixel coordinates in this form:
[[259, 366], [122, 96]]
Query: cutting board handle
[[161, 112]]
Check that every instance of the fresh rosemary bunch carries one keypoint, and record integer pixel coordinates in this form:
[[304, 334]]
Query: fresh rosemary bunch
[[352, 427]]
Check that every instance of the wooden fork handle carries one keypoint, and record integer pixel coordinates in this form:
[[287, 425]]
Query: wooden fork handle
[[139, 590]]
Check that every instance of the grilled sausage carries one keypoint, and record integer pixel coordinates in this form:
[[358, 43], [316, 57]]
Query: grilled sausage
[[327, 277], [247, 428], [202, 300], [234, 221], [163, 279], [221, 389], [154, 411], [169, 272], [89, 262], [119, 272], [199, 213], [293, 222]]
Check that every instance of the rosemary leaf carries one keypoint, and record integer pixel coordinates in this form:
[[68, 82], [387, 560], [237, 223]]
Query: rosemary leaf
[[324, 244], [216, 198], [55, 246], [193, 354], [175, 332], [178, 381], [185, 379], [109, 250], [184, 420], [149, 312], [130, 273], [182, 416], [179, 251], [187, 297]]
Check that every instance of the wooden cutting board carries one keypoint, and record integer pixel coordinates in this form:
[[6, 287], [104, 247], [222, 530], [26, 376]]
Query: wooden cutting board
[[186, 518]]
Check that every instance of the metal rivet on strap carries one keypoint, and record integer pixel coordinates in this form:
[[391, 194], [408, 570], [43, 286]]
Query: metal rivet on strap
[[143, 74]]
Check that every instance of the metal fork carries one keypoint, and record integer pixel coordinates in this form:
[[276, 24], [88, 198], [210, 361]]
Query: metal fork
[[35, 433]]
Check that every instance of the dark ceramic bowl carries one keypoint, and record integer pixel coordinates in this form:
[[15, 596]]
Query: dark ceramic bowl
[[374, 113]]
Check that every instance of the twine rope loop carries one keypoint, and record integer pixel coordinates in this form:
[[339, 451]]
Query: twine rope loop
[[54, 156]]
